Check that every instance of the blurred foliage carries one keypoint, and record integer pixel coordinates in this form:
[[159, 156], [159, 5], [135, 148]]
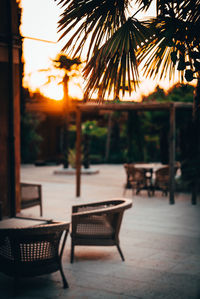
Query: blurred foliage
[[72, 157], [30, 139], [148, 131], [91, 128]]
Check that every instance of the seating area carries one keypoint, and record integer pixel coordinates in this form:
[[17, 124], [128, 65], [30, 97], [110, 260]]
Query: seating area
[[137, 179], [146, 177], [36, 249], [160, 243]]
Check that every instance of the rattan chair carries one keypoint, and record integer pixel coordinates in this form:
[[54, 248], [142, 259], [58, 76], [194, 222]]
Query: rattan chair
[[26, 252], [31, 195], [98, 224], [162, 179], [136, 179]]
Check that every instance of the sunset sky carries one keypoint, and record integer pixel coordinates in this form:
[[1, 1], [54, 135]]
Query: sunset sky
[[39, 21]]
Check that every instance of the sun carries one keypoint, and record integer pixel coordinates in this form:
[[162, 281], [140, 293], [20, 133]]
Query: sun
[[52, 91]]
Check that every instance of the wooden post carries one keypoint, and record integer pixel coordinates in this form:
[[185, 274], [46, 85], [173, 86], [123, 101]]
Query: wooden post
[[66, 122], [12, 190], [130, 128], [108, 139], [196, 141], [78, 152], [172, 154]]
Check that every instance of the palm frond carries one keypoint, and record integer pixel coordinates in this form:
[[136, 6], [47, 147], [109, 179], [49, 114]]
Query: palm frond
[[144, 4], [190, 10], [170, 45], [115, 63], [92, 20]]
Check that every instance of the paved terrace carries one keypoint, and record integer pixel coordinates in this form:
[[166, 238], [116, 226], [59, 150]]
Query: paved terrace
[[161, 243]]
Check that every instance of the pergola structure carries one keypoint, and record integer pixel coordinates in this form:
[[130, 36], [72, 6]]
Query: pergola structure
[[151, 106]]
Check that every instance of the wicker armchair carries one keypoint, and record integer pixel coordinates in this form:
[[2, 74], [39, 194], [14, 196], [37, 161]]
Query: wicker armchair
[[37, 250], [136, 179], [31, 195], [162, 178], [98, 223]]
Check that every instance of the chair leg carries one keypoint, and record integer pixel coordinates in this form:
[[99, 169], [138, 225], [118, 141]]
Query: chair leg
[[137, 191], [65, 283], [72, 253], [138, 188], [41, 212], [120, 252], [149, 192]]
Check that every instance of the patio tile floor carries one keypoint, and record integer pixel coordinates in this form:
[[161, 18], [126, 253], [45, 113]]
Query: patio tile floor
[[161, 243]]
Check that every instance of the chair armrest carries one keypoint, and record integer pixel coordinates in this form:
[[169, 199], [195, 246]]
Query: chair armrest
[[22, 216], [111, 206]]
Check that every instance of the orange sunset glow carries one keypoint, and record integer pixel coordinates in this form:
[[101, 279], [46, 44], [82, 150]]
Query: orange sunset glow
[[40, 47], [39, 25]]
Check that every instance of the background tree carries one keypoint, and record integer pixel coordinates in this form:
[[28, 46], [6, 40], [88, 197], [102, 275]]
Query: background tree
[[70, 67], [30, 139]]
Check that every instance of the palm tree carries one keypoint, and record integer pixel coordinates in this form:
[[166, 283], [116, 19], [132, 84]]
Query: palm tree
[[118, 42], [175, 46], [70, 66], [111, 38]]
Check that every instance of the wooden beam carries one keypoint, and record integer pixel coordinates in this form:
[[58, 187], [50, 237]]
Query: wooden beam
[[172, 153], [132, 106], [78, 152]]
